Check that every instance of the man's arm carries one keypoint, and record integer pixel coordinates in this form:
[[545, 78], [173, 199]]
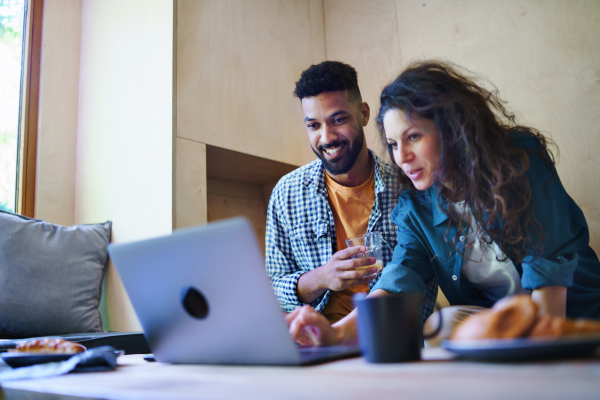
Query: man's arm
[[294, 286], [279, 258]]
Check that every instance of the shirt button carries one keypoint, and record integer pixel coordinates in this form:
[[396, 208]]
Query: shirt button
[[462, 238], [454, 277]]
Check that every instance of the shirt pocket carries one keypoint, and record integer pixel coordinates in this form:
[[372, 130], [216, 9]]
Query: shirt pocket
[[309, 243]]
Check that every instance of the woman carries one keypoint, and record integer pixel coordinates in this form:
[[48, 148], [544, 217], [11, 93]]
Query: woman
[[481, 206]]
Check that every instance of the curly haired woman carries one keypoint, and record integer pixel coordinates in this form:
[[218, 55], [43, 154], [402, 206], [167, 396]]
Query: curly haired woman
[[481, 207]]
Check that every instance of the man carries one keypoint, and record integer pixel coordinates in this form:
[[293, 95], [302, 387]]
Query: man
[[347, 191]]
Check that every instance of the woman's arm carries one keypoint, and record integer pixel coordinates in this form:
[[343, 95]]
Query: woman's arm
[[551, 299]]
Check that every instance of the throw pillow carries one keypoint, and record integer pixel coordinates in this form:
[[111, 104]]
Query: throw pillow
[[50, 276]]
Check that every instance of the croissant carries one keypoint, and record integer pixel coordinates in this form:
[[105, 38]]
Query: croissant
[[517, 316], [48, 345]]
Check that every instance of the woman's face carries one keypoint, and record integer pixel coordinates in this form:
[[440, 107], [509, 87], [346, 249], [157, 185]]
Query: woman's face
[[416, 145]]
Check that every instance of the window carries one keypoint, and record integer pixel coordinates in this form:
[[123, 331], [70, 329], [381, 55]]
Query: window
[[12, 16]]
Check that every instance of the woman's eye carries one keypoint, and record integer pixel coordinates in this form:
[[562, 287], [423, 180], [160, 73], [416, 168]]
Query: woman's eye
[[413, 136], [392, 145]]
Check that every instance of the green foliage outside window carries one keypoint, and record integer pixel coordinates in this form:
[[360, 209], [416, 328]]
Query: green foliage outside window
[[11, 55]]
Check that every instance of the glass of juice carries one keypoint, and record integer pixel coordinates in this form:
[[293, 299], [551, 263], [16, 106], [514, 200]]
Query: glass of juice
[[372, 241]]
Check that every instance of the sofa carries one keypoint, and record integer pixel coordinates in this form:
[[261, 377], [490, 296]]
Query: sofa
[[51, 279]]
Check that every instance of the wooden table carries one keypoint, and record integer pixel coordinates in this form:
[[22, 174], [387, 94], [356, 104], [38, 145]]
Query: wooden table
[[437, 377]]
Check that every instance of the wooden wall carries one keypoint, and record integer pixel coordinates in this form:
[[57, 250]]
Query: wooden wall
[[236, 65], [543, 56], [238, 62]]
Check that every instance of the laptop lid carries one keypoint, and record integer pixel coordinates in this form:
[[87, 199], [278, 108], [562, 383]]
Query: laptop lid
[[202, 296]]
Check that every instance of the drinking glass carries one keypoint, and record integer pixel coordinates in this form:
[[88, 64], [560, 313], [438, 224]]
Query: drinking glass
[[372, 241]]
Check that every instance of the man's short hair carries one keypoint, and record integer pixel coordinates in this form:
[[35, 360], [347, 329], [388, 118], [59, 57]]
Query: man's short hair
[[328, 76]]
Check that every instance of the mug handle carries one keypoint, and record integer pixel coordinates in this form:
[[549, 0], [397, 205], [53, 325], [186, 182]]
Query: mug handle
[[438, 329]]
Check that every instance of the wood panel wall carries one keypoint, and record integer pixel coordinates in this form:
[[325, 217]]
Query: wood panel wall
[[236, 69], [364, 35], [544, 58], [237, 62]]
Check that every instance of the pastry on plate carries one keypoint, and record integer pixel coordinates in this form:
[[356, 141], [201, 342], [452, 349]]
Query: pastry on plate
[[48, 346]]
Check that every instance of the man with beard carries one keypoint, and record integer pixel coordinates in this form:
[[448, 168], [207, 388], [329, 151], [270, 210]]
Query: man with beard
[[346, 192]]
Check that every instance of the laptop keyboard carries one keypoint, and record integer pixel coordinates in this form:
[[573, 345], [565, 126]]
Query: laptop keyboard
[[327, 353]]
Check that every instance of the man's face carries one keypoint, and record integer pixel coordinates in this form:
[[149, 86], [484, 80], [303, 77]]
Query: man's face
[[335, 129]]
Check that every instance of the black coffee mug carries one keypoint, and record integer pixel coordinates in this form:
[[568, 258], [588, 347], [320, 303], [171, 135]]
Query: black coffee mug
[[389, 327]]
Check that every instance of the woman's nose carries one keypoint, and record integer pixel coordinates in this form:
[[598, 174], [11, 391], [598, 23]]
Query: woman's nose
[[404, 154]]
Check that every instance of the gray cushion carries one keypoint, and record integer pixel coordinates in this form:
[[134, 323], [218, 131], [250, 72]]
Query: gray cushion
[[50, 276]]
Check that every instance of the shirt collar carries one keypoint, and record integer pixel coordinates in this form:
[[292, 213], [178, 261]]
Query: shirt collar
[[316, 176], [439, 215]]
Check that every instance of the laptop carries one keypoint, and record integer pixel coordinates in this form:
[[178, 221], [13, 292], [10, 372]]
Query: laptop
[[203, 296]]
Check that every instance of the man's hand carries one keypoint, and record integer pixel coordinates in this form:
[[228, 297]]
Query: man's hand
[[309, 328], [338, 274]]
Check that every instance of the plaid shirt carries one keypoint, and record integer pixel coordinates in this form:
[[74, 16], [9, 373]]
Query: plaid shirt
[[301, 232]]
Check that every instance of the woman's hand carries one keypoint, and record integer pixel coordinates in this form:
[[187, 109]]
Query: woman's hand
[[309, 328]]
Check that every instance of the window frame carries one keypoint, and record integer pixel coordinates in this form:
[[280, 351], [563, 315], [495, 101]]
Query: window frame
[[30, 94]]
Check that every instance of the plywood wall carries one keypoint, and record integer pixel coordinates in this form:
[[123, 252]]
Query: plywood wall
[[364, 35], [543, 56], [124, 135], [237, 62]]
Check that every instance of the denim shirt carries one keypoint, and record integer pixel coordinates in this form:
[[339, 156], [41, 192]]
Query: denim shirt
[[300, 234], [566, 258]]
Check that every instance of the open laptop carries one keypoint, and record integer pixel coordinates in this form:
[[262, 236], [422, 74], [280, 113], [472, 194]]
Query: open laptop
[[203, 296]]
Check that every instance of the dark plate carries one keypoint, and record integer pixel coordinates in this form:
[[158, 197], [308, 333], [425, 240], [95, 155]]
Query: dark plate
[[17, 360], [524, 349]]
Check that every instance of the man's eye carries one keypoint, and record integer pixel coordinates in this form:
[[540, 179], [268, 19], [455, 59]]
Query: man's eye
[[312, 126], [339, 120]]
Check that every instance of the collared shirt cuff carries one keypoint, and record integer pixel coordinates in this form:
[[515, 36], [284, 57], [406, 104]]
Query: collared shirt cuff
[[396, 278], [290, 295], [539, 272], [321, 302]]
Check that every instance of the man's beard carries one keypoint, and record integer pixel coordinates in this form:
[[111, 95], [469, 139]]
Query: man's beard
[[344, 164]]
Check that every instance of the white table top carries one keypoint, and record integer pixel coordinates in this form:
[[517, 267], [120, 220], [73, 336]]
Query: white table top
[[438, 376]]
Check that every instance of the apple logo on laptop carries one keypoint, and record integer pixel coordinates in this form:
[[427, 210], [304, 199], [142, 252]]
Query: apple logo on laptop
[[194, 303]]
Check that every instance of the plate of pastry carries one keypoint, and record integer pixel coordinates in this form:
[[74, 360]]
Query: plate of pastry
[[512, 330], [38, 351]]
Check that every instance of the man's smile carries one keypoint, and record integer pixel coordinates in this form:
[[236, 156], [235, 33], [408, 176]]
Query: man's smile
[[332, 151]]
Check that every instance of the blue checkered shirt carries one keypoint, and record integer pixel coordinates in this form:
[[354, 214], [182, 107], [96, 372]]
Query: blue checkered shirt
[[301, 232]]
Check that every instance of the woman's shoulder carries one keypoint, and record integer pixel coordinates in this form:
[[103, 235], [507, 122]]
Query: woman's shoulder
[[524, 140], [410, 201]]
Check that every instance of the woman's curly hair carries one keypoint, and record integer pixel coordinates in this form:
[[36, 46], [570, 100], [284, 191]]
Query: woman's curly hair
[[479, 165]]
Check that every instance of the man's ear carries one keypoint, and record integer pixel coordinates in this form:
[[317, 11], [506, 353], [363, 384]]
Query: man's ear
[[365, 112]]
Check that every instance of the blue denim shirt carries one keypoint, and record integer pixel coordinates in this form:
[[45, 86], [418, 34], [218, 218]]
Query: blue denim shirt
[[566, 258]]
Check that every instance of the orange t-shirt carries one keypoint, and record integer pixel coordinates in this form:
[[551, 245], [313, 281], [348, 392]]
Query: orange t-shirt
[[351, 208]]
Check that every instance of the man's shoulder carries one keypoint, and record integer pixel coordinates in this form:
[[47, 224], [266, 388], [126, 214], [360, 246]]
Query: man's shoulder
[[386, 171], [299, 176]]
